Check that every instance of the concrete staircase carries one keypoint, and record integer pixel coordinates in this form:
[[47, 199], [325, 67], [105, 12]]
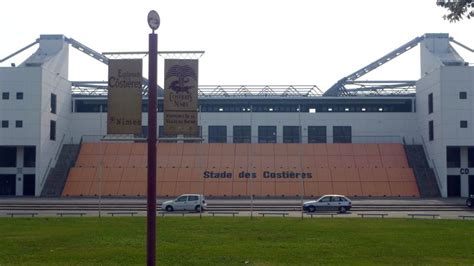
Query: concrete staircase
[[425, 176], [58, 175]]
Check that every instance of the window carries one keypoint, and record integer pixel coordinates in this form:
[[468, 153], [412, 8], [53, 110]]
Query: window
[[198, 134], [7, 156], [18, 123], [430, 130], [19, 95], [242, 134], [95, 106], [5, 123], [325, 199], [145, 131], [182, 198], [453, 157], [342, 134], [430, 103], [291, 134], [193, 198], [161, 134], [217, 134], [317, 134], [53, 103], [52, 130], [462, 95], [267, 134], [470, 157], [463, 124], [5, 95], [29, 156]]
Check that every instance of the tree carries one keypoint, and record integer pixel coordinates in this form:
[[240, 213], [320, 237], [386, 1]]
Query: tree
[[458, 9]]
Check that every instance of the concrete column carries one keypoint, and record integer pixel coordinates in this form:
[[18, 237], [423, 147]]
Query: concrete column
[[19, 170], [304, 134], [279, 133], [329, 134], [254, 133], [465, 177]]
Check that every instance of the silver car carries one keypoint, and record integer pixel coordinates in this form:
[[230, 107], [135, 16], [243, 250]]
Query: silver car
[[186, 202], [328, 203]]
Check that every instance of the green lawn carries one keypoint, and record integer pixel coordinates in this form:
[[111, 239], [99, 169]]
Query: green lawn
[[234, 241]]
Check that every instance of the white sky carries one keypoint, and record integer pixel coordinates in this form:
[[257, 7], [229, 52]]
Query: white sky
[[247, 42]]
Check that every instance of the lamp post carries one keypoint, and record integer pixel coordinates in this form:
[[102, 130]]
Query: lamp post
[[154, 23]]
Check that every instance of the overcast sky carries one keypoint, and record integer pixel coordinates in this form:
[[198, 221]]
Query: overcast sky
[[247, 42]]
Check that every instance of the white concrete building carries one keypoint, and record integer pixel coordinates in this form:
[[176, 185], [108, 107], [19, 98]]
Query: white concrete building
[[35, 113], [40, 112]]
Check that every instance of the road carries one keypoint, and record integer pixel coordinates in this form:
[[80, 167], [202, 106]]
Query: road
[[393, 207]]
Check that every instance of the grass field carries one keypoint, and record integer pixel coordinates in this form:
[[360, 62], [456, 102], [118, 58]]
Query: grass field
[[236, 241]]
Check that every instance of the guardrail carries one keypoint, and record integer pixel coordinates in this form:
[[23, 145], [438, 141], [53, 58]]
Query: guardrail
[[433, 164], [302, 138], [321, 214], [362, 215], [413, 215], [223, 213], [48, 168], [284, 214]]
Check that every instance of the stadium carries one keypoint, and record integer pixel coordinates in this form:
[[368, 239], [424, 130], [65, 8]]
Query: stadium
[[361, 138]]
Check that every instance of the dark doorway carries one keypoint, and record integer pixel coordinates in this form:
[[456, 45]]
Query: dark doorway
[[28, 185], [7, 156], [342, 134], [454, 186], [7, 185], [453, 157], [471, 185]]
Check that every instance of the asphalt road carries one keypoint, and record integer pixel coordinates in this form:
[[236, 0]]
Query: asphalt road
[[392, 207]]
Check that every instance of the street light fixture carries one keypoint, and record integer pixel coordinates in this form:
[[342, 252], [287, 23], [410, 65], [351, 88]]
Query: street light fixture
[[153, 20]]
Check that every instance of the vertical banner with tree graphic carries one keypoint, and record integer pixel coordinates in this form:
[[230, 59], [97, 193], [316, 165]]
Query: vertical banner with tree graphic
[[181, 97]]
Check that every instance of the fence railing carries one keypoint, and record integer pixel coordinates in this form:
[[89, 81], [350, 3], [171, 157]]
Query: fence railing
[[48, 168], [258, 139], [431, 162]]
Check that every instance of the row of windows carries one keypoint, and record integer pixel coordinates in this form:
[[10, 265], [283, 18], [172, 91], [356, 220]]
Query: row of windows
[[19, 96], [96, 106], [268, 134], [462, 96], [6, 95], [462, 124], [6, 124], [453, 157], [303, 109], [8, 156], [19, 124]]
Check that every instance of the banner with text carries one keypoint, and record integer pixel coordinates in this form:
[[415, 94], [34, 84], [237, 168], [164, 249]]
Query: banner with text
[[124, 102], [181, 97]]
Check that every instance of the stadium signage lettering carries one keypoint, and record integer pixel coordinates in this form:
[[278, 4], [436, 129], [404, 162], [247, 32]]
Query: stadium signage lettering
[[265, 174], [125, 79], [124, 99]]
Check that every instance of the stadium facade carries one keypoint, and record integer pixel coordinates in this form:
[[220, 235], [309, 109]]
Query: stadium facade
[[42, 111]]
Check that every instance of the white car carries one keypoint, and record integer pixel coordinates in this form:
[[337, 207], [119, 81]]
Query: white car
[[185, 202], [328, 203]]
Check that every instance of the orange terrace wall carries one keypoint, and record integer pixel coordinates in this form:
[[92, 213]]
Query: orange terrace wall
[[239, 170]]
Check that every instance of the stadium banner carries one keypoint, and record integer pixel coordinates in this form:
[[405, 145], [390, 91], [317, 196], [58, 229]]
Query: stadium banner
[[124, 101], [181, 97]]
